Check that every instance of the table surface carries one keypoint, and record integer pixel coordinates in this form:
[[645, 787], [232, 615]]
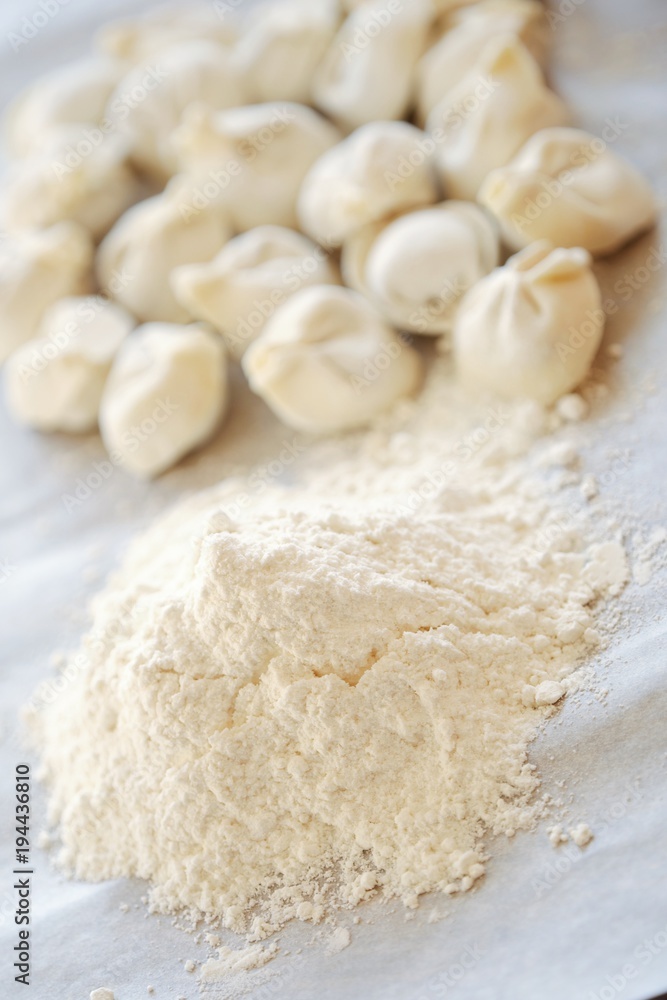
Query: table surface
[[593, 925]]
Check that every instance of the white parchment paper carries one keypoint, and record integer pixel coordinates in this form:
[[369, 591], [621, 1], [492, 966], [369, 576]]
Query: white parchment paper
[[565, 925]]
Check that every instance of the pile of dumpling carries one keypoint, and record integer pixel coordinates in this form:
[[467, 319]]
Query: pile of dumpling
[[303, 190]]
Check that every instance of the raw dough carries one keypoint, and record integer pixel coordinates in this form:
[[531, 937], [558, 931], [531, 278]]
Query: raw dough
[[531, 328], [165, 396], [326, 361]]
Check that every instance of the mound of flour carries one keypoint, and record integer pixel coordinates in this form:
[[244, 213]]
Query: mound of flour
[[301, 703]]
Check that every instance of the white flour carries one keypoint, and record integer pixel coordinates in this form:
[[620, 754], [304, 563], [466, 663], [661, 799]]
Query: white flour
[[313, 696]]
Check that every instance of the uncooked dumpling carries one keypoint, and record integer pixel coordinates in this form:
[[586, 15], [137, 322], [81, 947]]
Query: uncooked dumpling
[[567, 186], [152, 239], [532, 328], [368, 74], [380, 169], [283, 43], [450, 60], [36, 269], [252, 276], [166, 394], [416, 268], [79, 175], [136, 39], [326, 361], [149, 101], [483, 122], [55, 382], [74, 94], [254, 159]]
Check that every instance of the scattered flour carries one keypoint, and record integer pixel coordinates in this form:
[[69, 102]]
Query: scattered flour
[[294, 703], [339, 941], [548, 693], [557, 835], [230, 961], [648, 555], [581, 835]]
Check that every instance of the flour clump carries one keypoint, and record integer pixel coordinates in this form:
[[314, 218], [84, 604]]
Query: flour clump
[[297, 707]]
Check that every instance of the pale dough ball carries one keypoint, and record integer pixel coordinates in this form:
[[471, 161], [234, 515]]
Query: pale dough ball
[[450, 60], [532, 328], [326, 361], [136, 39], [149, 101], [74, 94], [137, 257], [368, 73], [252, 276], [55, 382], [36, 269], [253, 159], [567, 186], [484, 121], [380, 169], [415, 268], [80, 174], [165, 396], [282, 44]]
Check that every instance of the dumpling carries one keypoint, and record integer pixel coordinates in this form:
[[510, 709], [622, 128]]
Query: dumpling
[[368, 74], [152, 239], [70, 95], [36, 269], [149, 101], [448, 62], [532, 328], [380, 169], [567, 186], [257, 156], [283, 43], [249, 279], [416, 268], [80, 174], [484, 121], [165, 396], [55, 382], [326, 361], [136, 39], [439, 6]]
